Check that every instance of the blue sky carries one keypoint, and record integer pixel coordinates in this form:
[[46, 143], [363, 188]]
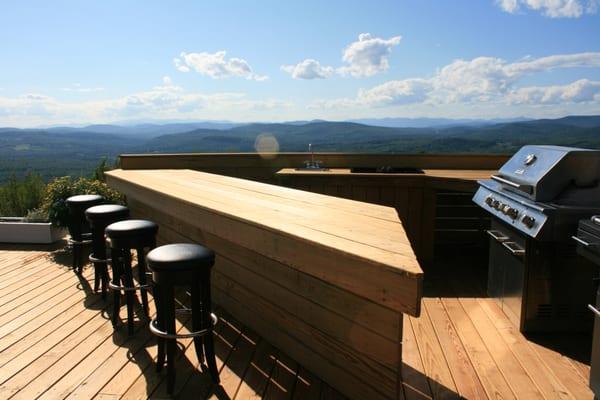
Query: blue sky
[[78, 62]]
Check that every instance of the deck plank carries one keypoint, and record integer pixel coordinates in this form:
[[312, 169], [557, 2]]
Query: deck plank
[[544, 377], [516, 376], [415, 382], [434, 362], [467, 383], [57, 343], [564, 368], [283, 379], [493, 382]]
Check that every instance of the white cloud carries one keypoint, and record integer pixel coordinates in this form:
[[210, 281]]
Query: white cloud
[[216, 65], [510, 6], [552, 8], [553, 62], [406, 91], [484, 78], [308, 69], [481, 80], [368, 56], [581, 91], [165, 101]]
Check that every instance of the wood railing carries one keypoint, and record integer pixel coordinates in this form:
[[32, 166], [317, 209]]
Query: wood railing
[[262, 167]]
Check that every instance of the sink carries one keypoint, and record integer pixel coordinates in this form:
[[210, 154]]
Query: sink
[[386, 170], [311, 169]]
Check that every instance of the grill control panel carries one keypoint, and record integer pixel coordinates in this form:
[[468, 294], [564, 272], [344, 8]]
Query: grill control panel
[[519, 215]]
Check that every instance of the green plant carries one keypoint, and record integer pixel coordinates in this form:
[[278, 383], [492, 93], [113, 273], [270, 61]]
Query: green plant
[[102, 167], [59, 190], [18, 197], [36, 215]]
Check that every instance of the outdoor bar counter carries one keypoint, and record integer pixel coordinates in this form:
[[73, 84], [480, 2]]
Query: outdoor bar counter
[[325, 279], [415, 196]]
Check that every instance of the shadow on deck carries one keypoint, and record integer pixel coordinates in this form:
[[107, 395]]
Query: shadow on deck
[[57, 342]]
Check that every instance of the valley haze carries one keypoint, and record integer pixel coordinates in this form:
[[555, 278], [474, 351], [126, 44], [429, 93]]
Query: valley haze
[[69, 150]]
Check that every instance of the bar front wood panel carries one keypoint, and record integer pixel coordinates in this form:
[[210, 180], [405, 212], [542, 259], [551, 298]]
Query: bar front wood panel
[[351, 337]]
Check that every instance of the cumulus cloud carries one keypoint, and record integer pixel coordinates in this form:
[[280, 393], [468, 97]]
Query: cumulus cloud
[[216, 65], [556, 61], [308, 69], [552, 8], [581, 91], [363, 58], [510, 6], [406, 91], [481, 80], [368, 56], [167, 100]]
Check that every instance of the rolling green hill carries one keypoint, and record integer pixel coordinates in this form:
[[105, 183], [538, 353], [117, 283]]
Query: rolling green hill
[[76, 151]]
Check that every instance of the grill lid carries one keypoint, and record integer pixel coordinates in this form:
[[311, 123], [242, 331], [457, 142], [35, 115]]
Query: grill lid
[[542, 173]]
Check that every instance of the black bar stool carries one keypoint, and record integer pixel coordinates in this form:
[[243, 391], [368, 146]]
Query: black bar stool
[[123, 237], [182, 265], [78, 225], [99, 217]]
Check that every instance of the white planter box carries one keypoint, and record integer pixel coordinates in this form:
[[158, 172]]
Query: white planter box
[[14, 230]]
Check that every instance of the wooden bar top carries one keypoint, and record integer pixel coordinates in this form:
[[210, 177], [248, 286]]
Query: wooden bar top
[[348, 236]]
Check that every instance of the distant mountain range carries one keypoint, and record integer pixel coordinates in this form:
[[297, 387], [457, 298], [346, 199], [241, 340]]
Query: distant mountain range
[[76, 150], [434, 122]]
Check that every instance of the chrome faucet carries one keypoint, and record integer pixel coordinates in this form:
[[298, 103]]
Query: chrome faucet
[[312, 163]]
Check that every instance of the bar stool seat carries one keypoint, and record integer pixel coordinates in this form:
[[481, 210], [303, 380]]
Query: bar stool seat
[[99, 217], [78, 225], [123, 237], [183, 264]]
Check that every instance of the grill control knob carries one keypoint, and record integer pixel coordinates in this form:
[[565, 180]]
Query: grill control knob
[[489, 200], [530, 159], [496, 204], [512, 212], [528, 221]]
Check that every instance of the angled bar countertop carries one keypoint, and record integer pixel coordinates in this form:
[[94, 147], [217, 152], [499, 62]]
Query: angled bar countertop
[[358, 246]]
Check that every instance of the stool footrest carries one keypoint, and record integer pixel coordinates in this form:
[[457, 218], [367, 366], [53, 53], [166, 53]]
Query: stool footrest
[[85, 241], [99, 260], [112, 286], [154, 329], [183, 310]]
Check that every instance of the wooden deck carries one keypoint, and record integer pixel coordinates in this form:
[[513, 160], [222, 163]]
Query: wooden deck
[[56, 341]]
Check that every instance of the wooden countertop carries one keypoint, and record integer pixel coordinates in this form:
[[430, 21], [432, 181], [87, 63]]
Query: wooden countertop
[[451, 174], [348, 236]]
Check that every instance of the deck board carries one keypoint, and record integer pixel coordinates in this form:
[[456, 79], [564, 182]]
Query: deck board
[[57, 342]]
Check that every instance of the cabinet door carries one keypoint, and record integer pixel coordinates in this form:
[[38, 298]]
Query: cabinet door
[[495, 288], [595, 362], [514, 278]]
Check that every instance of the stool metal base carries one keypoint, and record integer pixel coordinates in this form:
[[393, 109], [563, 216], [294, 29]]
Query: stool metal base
[[78, 242], [76, 247], [99, 260], [112, 286], [100, 272], [154, 329]]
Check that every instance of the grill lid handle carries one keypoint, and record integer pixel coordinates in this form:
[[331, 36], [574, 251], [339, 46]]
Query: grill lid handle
[[524, 188]]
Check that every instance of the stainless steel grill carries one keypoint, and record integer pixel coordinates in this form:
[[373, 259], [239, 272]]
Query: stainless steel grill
[[588, 246], [536, 201], [543, 191]]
